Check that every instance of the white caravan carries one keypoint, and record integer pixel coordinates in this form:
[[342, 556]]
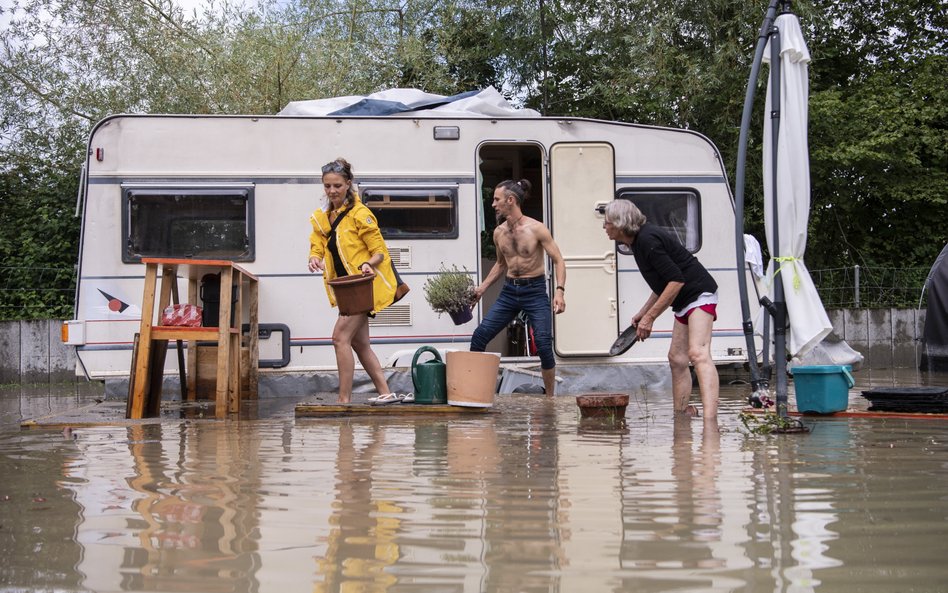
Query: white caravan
[[243, 188]]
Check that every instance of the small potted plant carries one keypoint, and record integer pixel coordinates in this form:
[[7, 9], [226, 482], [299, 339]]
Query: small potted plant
[[451, 292]]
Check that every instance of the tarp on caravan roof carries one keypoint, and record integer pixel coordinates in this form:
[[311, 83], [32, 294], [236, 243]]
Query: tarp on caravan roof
[[935, 334], [484, 103]]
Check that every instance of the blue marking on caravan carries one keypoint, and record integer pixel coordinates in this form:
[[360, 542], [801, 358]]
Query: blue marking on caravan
[[205, 178], [363, 179], [680, 179], [111, 347], [460, 340], [628, 270], [308, 275]]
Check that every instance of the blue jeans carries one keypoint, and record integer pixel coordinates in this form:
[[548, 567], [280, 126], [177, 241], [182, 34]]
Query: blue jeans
[[520, 294]]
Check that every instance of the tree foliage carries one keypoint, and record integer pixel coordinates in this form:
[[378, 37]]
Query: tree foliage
[[39, 237], [878, 133], [879, 167], [877, 115]]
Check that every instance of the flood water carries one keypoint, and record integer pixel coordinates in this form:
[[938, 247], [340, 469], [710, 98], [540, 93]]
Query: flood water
[[526, 498]]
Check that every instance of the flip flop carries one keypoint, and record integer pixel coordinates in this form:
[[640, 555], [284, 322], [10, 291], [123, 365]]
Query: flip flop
[[384, 399], [408, 398]]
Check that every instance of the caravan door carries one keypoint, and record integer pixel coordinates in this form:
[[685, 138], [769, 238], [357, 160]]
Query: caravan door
[[582, 178]]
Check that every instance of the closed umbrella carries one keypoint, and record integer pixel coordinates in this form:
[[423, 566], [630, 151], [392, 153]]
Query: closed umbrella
[[809, 323]]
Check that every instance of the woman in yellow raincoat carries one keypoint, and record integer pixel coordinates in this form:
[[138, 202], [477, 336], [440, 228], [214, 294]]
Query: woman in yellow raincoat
[[346, 240]]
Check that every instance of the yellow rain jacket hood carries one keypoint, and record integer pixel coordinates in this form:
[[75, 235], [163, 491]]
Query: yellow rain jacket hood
[[358, 238]]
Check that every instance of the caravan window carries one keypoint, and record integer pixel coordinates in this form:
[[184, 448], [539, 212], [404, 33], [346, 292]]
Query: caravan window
[[414, 213], [208, 223], [676, 211]]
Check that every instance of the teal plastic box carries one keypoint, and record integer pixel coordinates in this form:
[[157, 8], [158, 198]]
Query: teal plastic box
[[823, 389]]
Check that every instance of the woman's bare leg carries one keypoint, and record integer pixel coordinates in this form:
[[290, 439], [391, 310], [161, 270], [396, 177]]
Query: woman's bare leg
[[343, 334], [370, 362], [699, 352], [681, 374]]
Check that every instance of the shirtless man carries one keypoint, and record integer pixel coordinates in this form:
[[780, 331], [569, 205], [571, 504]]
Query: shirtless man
[[521, 242]]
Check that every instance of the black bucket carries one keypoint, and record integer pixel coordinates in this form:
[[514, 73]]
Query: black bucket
[[211, 300]]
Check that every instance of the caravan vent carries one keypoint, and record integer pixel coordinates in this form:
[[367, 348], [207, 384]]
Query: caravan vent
[[391, 316], [401, 257]]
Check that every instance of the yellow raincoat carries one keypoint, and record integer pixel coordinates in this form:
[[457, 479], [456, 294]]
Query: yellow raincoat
[[358, 238]]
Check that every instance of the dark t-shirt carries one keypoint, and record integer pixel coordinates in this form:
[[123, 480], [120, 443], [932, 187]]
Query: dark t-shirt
[[662, 259]]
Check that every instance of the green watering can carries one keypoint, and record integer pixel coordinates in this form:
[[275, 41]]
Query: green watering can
[[431, 384]]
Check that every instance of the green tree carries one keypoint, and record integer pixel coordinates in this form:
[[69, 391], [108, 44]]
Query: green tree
[[877, 111], [878, 133], [39, 237], [880, 168], [65, 65]]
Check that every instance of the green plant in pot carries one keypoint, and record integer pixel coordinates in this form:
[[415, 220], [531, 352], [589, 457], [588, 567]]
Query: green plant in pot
[[451, 292]]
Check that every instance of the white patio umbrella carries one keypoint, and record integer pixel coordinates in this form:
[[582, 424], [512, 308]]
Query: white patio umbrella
[[809, 323]]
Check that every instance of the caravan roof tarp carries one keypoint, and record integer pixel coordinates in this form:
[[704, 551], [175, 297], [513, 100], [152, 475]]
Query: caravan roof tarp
[[412, 102]]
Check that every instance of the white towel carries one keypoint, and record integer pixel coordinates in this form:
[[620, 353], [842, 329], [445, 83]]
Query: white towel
[[753, 256]]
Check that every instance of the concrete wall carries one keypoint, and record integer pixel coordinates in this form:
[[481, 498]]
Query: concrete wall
[[32, 351], [887, 338]]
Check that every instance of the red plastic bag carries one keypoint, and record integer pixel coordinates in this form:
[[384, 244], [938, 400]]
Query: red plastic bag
[[182, 316]]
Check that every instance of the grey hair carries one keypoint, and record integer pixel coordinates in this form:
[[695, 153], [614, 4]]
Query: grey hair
[[625, 216]]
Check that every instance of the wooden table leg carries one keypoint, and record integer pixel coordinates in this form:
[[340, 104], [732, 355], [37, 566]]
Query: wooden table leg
[[192, 346], [223, 345], [253, 372], [236, 355], [131, 379], [143, 356], [233, 379], [159, 350]]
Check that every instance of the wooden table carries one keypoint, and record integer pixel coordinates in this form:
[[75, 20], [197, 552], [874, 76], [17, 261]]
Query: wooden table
[[148, 359]]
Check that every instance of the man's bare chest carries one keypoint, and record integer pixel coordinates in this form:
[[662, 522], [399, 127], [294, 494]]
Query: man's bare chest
[[518, 244]]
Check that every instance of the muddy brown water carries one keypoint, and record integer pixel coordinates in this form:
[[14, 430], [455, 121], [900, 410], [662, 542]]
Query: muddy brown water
[[527, 498]]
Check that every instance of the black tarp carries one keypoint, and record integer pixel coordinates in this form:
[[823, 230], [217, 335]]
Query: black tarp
[[935, 334], [380, 107]]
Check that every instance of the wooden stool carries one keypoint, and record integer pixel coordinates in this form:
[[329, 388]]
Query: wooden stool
[[148, 357]]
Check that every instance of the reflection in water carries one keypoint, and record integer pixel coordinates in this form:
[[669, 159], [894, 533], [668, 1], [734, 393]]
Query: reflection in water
[[673, 514], [523, 532], [364, 522], [527, 498], [795, 508], [161, 513]]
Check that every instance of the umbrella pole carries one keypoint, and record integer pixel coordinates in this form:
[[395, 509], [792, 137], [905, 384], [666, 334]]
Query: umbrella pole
[[758, 384], [780, 301]]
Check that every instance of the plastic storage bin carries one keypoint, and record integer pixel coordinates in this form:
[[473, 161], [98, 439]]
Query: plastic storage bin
[[822, 389]]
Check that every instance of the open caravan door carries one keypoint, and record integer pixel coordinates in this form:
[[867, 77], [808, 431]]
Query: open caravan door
[[582, 177]]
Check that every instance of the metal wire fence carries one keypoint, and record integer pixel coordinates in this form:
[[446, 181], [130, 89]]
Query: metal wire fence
[[859, 287], [28, 292]]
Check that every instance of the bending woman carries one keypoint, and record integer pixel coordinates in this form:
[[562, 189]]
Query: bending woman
[[678, 280], [346, 240]]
